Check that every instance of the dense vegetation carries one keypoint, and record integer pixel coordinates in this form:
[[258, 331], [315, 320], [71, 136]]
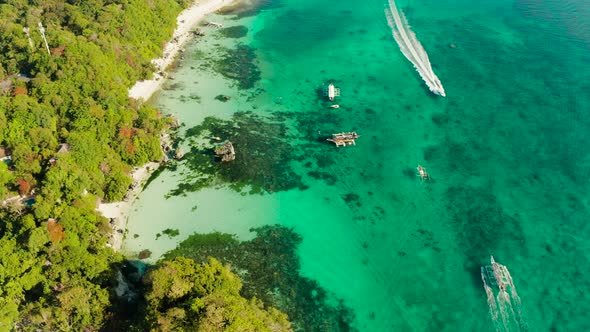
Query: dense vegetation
[[270, 269], [72, 137], [186, 296]]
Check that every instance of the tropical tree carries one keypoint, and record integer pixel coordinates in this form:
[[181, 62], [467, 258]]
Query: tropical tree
[[185, 295]]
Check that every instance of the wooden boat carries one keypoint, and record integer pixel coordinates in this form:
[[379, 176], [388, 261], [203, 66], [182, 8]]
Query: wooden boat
[[344, 138], [422, 173]]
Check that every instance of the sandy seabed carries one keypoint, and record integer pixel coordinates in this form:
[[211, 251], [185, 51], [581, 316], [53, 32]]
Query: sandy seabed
[[185, 22], [143, 90]]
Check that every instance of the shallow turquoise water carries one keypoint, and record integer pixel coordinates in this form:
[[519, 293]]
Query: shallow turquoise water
[[506, 150]]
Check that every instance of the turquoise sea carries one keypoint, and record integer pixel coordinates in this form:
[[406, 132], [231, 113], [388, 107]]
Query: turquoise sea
[[507, 151]]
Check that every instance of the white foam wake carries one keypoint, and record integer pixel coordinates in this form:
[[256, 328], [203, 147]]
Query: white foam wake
[[491, 303], [505, 308], [412, 49]]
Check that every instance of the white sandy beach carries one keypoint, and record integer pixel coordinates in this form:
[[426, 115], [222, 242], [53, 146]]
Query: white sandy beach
[[118, 211], [186, 21]]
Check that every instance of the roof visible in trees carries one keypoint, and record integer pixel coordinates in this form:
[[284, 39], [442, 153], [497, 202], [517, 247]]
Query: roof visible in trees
[[4, 152], [63, 147]]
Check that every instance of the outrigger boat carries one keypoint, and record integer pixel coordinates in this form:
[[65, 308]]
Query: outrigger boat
[[344, 139], [495, 275], [422, 173], [331, 92], [503, 300]]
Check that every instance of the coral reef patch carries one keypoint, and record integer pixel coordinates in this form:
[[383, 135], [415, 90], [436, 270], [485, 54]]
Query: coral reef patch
[[270, 269], [263, 156]]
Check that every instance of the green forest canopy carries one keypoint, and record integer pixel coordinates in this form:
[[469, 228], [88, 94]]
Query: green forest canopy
[[72, 136]]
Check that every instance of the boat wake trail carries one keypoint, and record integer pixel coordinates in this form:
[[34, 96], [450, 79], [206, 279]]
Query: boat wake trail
[[505, 308], [412, 49], [492, 304]]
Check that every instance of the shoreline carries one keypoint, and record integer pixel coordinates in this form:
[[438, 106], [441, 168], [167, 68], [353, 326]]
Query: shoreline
[[185, 22], [118, 212]]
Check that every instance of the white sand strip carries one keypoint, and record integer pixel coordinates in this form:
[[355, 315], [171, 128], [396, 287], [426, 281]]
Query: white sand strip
[[185, 22], [119, 211]]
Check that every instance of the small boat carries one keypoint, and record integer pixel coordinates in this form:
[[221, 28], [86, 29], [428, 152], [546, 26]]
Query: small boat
[[215, 24], [331, 92], [503, 300], [422, 173], [344, 138], [335, 106]]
